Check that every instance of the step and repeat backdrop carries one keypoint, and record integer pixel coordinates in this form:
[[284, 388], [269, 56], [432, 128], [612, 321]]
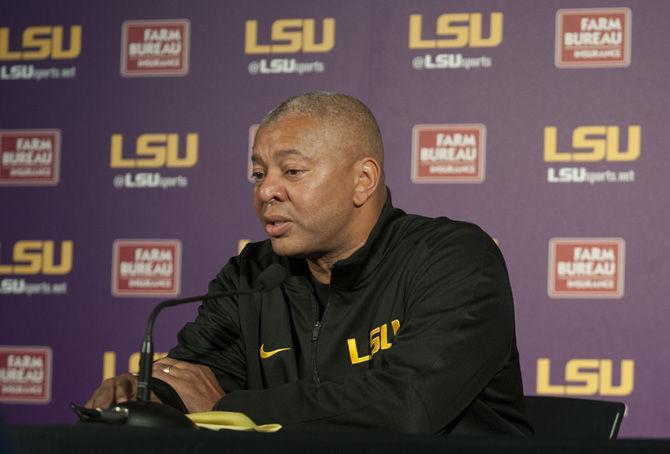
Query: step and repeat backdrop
[[124, 140]]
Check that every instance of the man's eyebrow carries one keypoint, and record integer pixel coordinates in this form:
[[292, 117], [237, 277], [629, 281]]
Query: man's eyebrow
[[279, 154], [287, 152]]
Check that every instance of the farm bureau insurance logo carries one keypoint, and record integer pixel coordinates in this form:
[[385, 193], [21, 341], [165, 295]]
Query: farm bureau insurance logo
[[454, 32], [448, 153], [287, 37], [47, 43], [593, 38], [586, 377], [153, 151], [35, 258], [30, 157], [155, 47], [593, 144], [25, 374], [586, 267], [146, 268]]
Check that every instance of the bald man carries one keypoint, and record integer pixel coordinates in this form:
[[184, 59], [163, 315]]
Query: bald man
[[387, 320]]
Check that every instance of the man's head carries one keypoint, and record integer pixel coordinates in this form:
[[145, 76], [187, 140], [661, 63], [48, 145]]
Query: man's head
[[317, 161]]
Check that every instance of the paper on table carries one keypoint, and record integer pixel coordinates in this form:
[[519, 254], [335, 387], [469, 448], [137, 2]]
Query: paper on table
[[217, 420]]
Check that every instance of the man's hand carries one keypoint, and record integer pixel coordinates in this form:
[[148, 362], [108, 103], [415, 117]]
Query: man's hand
[[196, 385], [121, 388]]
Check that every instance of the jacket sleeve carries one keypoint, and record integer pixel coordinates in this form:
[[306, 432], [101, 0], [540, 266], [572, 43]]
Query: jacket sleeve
[[214, 338], [457, 334]]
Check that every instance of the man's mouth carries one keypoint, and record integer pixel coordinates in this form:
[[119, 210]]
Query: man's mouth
[[276, 228]]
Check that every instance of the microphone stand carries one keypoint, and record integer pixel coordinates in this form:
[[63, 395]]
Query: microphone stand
[[144, 413]]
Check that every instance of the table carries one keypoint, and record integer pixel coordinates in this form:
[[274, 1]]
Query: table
[[96, 439]]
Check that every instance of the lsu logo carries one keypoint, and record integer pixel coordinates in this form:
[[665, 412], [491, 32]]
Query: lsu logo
[[593, 144], [448, 153], [155, 151], [593, 37], [146, 268], [25, 374], [586, 267], [456, 30], [290, 36], [379, 340], [30, 257], [30, 157], [41, 43], [587, 377], [155, 48]]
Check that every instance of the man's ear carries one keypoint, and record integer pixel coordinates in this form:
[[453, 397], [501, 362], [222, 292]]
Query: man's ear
[[367, 174]]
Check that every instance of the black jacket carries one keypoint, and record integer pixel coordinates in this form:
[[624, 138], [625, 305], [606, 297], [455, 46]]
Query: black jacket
[[417, 336]]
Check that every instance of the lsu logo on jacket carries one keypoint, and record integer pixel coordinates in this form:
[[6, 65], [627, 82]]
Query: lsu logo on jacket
[[379, 340]]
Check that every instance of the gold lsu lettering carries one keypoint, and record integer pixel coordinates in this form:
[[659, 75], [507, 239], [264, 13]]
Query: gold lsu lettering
[[587, 377], [379, 340], [37, 257], [41, 43], [598, 142], [457, 30], [295, 35], [155, 150], [109, 363]]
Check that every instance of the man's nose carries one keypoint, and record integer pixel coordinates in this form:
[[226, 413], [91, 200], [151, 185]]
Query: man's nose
[[271, 188]]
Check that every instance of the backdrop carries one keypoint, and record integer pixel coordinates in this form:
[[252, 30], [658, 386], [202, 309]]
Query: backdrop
[[124, 137]]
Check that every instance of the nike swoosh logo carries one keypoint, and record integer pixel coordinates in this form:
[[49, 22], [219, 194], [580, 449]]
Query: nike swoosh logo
[[266, 355]]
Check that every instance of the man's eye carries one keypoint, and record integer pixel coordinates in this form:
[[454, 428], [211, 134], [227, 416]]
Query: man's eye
[[294, 172], [257, 175]]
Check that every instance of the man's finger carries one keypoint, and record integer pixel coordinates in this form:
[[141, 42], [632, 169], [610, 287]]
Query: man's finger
[[170, 362], [89, 403], [103, 396], [123, 388], [176, 383], [163, 370]]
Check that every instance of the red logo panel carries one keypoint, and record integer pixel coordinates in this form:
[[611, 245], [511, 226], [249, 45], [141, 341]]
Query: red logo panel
[[448, 153], [25, 374], [146, 268], [30, 157], [155, 48], [586, 267], [593, 37]]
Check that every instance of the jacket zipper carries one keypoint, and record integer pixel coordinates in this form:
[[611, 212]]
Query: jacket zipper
[[315, 337]]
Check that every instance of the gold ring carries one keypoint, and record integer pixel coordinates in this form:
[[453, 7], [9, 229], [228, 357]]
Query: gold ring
[[167, 368]]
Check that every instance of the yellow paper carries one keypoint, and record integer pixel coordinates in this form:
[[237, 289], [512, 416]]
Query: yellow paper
[[230, 420]]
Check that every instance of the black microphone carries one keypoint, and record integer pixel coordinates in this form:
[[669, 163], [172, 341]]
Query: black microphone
[[142, 412], [269, 278]]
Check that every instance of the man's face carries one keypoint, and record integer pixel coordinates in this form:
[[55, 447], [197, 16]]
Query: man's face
[[303, 193]]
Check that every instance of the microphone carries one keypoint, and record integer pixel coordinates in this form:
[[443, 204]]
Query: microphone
[[269, 278], [144, 413]]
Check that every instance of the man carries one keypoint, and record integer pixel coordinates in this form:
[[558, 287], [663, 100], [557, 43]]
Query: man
[[386, 320]]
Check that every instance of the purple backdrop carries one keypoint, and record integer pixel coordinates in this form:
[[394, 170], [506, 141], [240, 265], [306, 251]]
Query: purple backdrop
[[186, 70]]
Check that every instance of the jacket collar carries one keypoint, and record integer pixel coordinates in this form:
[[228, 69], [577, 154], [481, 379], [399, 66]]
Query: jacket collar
[[352, 272]]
